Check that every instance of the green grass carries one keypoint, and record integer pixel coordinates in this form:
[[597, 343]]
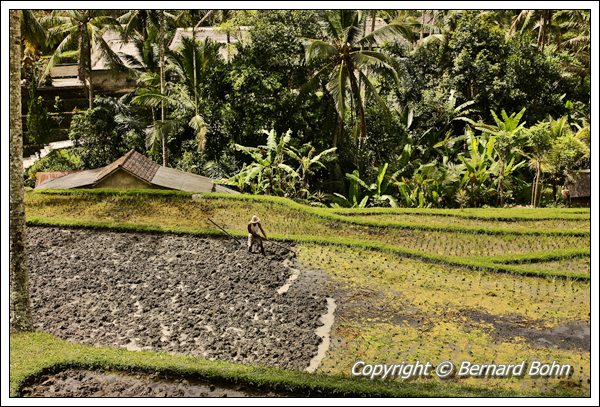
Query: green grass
[[577, 265], [32, 354], [520, 224], [499, 214], [325, 213]]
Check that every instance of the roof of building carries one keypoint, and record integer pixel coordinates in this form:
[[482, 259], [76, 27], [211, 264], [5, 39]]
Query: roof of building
[[241, 33], [45, 176], [127, 51], [142, 168], [580, 184], [130, 55], [135, 164]]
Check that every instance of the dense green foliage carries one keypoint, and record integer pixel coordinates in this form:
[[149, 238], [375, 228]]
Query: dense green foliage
[[429, 95], [56, 160], [104, 133]]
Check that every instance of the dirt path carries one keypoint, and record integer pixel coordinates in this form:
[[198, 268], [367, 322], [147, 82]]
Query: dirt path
[[180, 294]]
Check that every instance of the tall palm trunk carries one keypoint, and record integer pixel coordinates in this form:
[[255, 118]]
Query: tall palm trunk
[[339, 129], [85, 62], [161, 51], [422, 25], [538, 187], [535, 194], [533, 188], [20, 308], [360, 109], [194, 67], [545, 22], [373, 16]]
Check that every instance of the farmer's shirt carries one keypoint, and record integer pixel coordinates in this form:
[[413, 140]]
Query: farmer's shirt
[[254, 228]]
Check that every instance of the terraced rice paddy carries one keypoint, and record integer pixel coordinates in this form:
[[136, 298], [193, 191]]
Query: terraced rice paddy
[[484, 285]]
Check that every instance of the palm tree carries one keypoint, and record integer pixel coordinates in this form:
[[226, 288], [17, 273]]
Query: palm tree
[[343, 59], [540, 20], [192, 64], [20, 308], [574, 36], [136, 22], [161, 57], [34, 40], [84, 29], [539, 143]]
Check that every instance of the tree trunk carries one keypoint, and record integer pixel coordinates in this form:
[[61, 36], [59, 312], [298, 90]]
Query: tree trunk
[[194, 67], [536, 196], [363, 125], [545, 22], [373, 15], [161, 51], [85, 63], [533, 188], [20, 307], [339, 128], [422, 25], [360, 108], [539, 189], [228, 46]]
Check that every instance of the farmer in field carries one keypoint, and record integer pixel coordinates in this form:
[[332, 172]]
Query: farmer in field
[[253, 237]]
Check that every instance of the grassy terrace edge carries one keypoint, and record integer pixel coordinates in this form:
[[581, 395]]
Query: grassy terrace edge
[[325, 213], [518, 214], [475, 263], [36, 353]]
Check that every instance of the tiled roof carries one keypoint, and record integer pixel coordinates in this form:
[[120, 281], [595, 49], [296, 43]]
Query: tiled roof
[[143, 168], [134, 163]]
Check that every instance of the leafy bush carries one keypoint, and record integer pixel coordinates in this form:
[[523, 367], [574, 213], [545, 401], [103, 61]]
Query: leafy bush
[[38, 122], [56, 160], [105, 133]]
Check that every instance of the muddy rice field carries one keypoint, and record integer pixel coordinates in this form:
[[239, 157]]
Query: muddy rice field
[[86, 383], [180, 294]]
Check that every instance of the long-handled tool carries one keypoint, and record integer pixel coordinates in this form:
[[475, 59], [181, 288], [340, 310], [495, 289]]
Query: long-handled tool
[[233, 237], [280, 245], [226, 232]]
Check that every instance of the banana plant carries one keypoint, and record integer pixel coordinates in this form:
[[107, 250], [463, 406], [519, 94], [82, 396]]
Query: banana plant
[[430, 184], [354, 199], [267, 161], [308, 162], [477, 174], [375, 193]]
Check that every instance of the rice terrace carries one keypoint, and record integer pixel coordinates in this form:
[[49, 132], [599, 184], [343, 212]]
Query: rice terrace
[[474, 284], [300, 203]]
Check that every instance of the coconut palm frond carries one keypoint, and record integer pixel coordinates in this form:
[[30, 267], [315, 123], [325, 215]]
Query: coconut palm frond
[[319, 50], [337, 86], [390, 32]]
